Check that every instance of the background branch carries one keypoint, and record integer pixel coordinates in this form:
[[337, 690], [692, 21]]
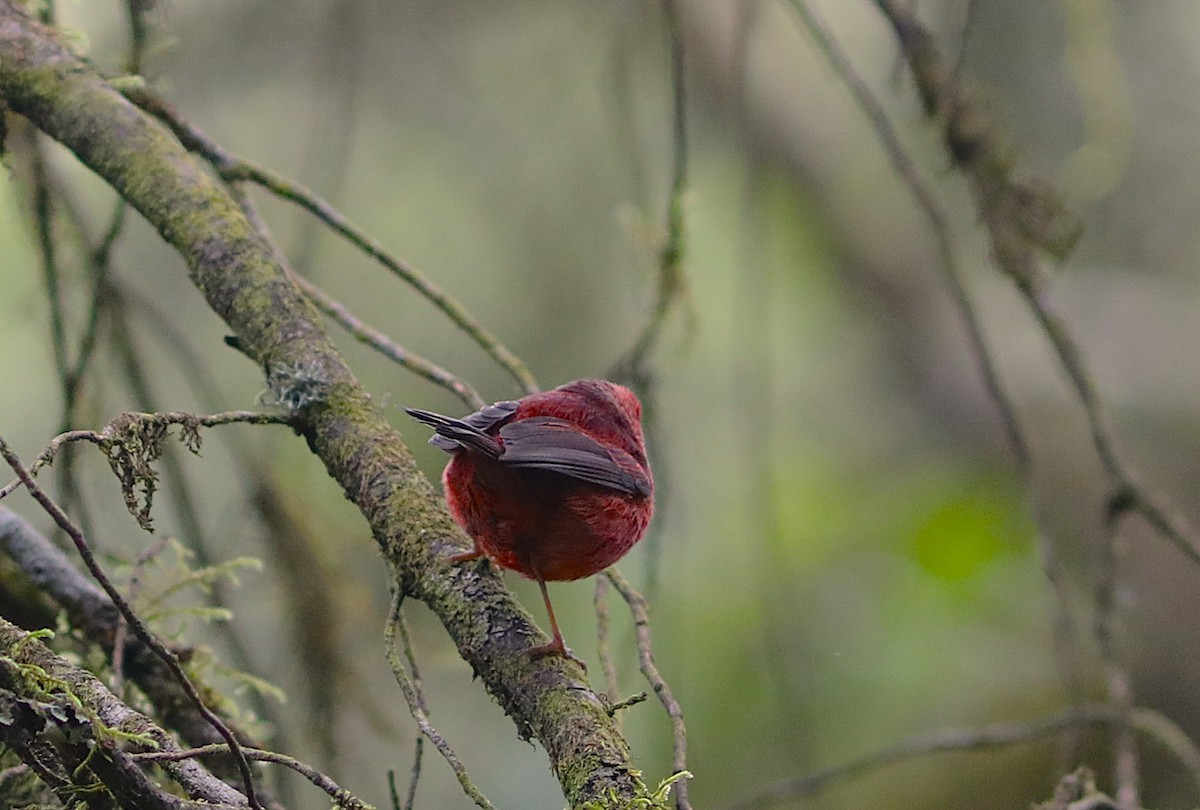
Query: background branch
[[978, 738]]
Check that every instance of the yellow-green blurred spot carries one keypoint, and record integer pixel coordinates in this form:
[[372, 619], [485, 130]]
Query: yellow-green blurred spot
[[960, 536]]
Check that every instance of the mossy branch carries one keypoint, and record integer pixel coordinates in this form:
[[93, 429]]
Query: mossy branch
[[241, 278], [80, 720]]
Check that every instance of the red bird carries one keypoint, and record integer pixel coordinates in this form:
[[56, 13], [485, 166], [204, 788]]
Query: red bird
[[555, 486]]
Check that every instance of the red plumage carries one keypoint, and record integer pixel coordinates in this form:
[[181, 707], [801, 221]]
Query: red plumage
[[555, 486]]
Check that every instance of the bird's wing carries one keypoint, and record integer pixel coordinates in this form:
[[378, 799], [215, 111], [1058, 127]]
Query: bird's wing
[[489, 416], [452, 434], [546, 443]]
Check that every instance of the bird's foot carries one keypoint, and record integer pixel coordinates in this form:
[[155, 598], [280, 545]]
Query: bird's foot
[[556, 647], [466, 556]]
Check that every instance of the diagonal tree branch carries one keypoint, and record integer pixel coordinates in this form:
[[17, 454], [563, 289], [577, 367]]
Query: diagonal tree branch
[[237, 272]]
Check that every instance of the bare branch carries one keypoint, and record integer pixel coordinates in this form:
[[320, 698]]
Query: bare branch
[[363, 332], [997, 735], [234, 169], [341, 797], [603, 642]]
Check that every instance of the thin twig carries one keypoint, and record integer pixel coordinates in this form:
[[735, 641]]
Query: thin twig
[[415, 675], [951, 268], [415, 774], [234, 169], [138, 627], [603, 638], [621, 705], [672, 283], [377, 340], [105, 435], [50, 452], [130, 462], [139, 33], [641, 619], [1127, 492], [1116, 673], [997, 735], [415, 706], [114, 426], [340, 796], [135, 584], [964, 37], [393, 794], [97, 255], [43, 214]]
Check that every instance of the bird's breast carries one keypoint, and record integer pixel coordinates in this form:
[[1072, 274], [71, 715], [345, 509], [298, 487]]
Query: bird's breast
[[542, 524]]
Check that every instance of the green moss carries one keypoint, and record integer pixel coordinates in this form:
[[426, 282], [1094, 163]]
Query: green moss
[[659, 799]]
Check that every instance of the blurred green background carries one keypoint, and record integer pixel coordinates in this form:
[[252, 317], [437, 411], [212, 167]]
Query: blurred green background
[[844, 553]]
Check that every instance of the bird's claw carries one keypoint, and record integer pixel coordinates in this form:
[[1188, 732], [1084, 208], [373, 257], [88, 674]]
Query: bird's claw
[[557, 648], [466, 556]]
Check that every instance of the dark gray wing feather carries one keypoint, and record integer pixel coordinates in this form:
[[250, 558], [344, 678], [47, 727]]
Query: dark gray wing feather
[[489, 416], [546, 443], [452, 434]]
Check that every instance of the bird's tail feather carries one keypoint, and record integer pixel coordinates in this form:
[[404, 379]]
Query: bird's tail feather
[[451, 434]]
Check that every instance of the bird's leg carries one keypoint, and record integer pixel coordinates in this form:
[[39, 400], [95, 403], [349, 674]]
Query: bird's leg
[[466, 556], [556, 646]]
